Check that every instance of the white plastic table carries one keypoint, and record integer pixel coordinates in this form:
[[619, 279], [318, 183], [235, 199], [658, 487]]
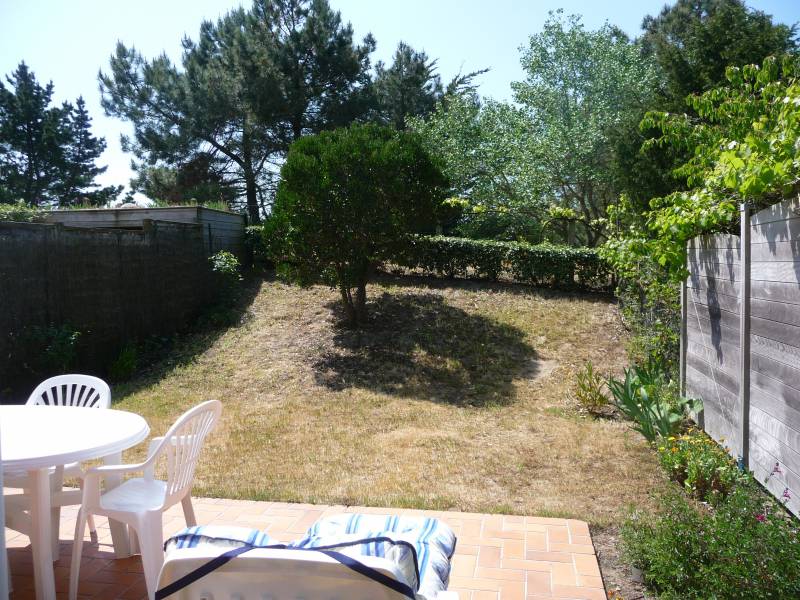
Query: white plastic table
[[36, 438]]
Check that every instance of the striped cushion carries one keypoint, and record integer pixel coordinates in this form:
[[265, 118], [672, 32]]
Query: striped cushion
[[434, 544], [421, 548], [218, 536]]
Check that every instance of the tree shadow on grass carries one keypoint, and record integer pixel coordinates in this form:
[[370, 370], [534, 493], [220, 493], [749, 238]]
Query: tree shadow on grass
[[418, 346]]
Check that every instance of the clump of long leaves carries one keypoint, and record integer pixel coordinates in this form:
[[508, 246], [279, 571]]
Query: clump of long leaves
[[642, 397]]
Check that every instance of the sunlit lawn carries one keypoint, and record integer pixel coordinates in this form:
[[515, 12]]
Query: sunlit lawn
[[457, 396]]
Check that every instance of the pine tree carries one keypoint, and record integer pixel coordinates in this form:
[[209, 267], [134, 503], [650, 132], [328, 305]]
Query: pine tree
[[410, 87], [81, 152], [47, 153], [32, 135], [251, 84], [694, 41]]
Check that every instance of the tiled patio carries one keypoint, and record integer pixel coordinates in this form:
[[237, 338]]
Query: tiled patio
[[497, 557]]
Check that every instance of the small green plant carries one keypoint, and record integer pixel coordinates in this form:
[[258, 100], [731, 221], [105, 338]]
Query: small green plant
[[124, 366], [641, 398], [589, 391], [227, 277], [700, 465], [747, 547], [255, 243]]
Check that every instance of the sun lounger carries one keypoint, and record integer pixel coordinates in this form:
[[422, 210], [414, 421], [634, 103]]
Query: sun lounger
[[345, 557]]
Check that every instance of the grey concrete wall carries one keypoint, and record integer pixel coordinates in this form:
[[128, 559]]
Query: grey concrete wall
[[111, 285]]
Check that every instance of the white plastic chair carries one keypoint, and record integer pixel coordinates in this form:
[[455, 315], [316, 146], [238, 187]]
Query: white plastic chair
[[140, 502], [281, 575], [65, 390]]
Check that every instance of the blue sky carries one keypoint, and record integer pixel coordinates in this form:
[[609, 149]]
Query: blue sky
[[68, 42]]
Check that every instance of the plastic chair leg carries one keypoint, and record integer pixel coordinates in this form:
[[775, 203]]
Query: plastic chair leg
[[134, 541], [151, 543], [92, 527], [77, 547], [90, 520], [188, 511]]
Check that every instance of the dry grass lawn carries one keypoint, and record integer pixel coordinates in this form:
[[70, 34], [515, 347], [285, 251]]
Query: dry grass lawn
[[456, 396]]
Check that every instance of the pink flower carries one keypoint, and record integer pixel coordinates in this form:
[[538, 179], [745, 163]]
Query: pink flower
[[786, 495], [761, 517]]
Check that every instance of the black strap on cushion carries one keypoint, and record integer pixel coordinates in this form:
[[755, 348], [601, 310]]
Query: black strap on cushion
[[201, 571], [216, 562]]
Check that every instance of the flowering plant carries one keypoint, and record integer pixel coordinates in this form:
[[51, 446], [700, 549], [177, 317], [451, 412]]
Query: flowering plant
[[700, 465]]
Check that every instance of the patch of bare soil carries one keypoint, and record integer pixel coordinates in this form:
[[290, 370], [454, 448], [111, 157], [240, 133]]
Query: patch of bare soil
[[620, 582]]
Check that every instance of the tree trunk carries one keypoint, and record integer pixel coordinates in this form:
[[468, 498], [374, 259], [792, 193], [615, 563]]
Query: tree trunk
[[249, 176], [253, 212], [349, 308], [361, 303]]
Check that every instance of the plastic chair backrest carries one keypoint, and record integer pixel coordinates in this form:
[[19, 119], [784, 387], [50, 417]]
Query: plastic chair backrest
[[182, 445], [72, 390]]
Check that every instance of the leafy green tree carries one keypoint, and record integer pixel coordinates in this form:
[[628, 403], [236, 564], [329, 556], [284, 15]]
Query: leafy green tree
[[580, 86], [742, 148], [251, 84], [32, 137], [483, 150], [694, 41], [347, 199]]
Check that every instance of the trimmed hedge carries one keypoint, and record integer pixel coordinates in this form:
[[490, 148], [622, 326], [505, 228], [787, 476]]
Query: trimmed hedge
[[541, 265]]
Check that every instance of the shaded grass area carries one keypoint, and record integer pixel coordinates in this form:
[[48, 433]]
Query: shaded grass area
[[456, 395]]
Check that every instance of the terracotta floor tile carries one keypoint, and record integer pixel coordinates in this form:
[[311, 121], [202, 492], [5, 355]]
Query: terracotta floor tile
[[464, 565], [538, 582], [513, 549], [564, 574], [501, 574], [489, 556], [578, 593]]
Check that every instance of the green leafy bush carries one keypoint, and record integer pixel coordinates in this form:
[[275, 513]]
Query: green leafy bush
[[255, 244], [227, 277], [589, 390], [348, 199], [747, 547], [700, 465], [543, 265], [650, 308], [644, 397], [21, 212]]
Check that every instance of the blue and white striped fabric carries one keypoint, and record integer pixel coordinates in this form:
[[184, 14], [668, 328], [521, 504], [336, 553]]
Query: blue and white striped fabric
[[420, 547], [426, 567], [218, 536]]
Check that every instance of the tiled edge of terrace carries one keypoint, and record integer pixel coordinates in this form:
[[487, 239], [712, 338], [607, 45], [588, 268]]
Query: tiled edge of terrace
[[498, 557]]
